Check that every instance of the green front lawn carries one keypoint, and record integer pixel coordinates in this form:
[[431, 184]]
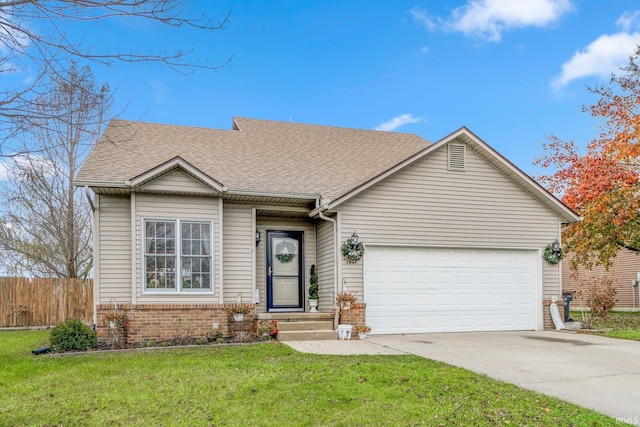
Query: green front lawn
[[618, 324], [264, 384]]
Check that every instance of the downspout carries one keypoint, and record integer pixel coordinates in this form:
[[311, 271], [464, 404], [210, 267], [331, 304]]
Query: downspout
[[86, 192], [335, 247]]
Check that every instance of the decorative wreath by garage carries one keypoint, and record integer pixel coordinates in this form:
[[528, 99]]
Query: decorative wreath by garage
[[551, 256], [285, 251], [351, 254]]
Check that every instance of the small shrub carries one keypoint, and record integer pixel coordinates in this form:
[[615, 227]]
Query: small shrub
[[165, 344], [313, 283], [267, 330], [72, 335], [201, 341], [597, 293], [214, 335], [182, 331], [148, 343], [117, 324], [243, 337]]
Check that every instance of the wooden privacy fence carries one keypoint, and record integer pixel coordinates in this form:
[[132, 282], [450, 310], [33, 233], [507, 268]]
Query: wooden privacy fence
[[44, 302]]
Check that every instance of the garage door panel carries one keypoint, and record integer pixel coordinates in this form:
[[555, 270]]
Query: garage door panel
[[439, 289]]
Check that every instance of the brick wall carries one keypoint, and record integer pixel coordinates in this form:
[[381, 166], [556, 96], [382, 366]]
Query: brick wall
[[355, 316], [161, 322]]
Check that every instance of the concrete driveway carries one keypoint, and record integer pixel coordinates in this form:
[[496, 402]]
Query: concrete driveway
[[594, 372]]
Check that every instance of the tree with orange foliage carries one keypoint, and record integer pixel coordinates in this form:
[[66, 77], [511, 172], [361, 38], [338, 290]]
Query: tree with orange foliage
[[602, 185]]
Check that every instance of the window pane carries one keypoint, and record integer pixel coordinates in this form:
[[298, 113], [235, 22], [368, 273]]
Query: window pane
[[171, 230], [160, 230], [150, 230], [195, 248], [150, 246], [171, 247], [160, 272], [199, 269]]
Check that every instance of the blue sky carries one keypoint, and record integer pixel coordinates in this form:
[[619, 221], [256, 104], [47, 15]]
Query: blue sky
[[512, 71]]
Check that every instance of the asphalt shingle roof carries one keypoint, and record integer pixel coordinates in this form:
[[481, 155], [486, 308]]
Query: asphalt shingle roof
[[259, 156]]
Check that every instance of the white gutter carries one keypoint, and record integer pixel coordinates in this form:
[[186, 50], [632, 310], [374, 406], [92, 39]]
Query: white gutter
[[99, 184], [335, 247], [233, 192]]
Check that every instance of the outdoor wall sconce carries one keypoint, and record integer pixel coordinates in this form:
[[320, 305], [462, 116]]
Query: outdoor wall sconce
[[258, 237], [555, 248], [354, 240]]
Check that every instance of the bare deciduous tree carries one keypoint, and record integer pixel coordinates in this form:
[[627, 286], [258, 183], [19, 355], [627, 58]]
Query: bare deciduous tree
[[45, 230], [35, 42]]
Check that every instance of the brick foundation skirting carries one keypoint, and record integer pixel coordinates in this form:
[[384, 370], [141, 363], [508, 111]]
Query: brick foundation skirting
[[159, 322], [354, 316]]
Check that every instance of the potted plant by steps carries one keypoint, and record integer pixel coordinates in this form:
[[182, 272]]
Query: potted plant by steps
[[238, 313], [313, 289], [345, 300], [363, 331], [267, 330]]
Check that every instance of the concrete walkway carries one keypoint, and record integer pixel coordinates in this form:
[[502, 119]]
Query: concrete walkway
[[594, 372]]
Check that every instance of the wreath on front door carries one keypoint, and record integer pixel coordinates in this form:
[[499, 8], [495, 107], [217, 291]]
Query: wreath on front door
[[551, 256], [285, 251]]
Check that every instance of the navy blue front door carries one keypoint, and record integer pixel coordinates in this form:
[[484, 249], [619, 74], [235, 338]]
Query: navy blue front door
[[285, 271]]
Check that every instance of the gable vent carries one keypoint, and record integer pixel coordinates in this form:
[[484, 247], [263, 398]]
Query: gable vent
[[457, 157]]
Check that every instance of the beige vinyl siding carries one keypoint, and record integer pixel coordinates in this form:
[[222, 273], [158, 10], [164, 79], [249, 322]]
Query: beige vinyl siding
[[427, 205], [282, 224], [625, 268], [114, 230], [177, 182], [325, 265], [239, 247], [157, 206]]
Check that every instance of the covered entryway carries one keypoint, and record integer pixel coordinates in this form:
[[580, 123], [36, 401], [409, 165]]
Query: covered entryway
[[420, 289]]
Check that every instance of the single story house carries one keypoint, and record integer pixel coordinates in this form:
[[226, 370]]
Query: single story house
[[189, 222]]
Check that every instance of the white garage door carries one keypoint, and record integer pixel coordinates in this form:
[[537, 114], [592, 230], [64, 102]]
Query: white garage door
[[412, 290]]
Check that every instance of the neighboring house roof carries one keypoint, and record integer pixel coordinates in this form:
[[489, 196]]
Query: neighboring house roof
[[262, 157], [257, 156]]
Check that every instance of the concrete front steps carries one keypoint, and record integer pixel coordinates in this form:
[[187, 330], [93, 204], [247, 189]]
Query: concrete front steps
[[302, 326]]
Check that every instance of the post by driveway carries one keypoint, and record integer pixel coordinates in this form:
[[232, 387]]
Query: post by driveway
[[595, 372]]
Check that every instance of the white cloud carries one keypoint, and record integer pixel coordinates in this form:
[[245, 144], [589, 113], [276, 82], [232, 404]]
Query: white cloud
[[398, 121], [628, 20], [4, 171], [421, 16], [601, 58], [9, 168], [489, 18]]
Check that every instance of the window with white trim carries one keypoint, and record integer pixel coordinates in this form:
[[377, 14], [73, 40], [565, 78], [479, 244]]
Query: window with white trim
[[172, 243]]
